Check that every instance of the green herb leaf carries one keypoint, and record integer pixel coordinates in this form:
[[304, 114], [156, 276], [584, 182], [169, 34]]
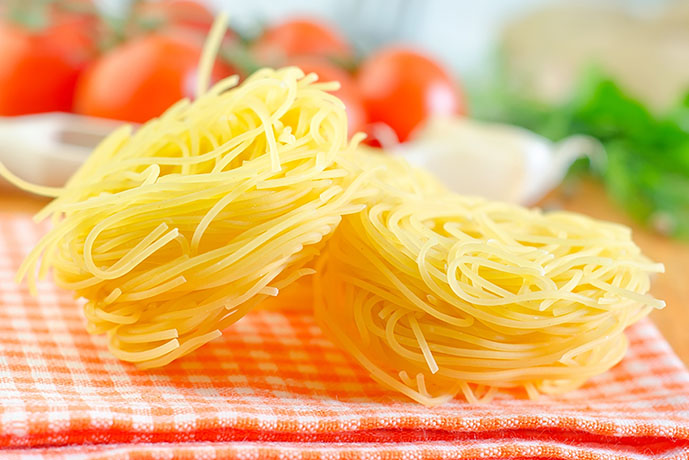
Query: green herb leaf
[[647, 168]]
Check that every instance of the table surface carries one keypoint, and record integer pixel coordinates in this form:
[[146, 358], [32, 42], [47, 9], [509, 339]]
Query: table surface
[[587, 197]]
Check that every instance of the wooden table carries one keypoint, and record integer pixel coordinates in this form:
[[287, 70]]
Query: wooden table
[[588, 198]]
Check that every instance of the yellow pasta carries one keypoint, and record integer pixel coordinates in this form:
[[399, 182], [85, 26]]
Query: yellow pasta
[[437, 294], [175, 231]]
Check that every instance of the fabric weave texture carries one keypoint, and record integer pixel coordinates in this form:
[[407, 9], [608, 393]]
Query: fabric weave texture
[[273, 386]]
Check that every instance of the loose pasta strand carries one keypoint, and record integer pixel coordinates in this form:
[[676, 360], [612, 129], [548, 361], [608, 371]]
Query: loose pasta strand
[[180, 228], [481, 294], [175, 231]]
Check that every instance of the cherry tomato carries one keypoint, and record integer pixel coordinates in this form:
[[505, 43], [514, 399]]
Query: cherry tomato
[[402, 88], [142, 78], [300, 37], [348, 92], [39, 69], [176, 13]]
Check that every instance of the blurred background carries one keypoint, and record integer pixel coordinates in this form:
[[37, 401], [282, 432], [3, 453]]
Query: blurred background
[[501, 98], [575, 105]]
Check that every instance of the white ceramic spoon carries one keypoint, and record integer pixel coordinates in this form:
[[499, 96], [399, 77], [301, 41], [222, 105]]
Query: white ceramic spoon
[[46, 149]]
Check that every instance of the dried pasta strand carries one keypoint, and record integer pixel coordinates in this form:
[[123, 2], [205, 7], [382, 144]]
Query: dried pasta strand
[[175, 231], [482, 294]]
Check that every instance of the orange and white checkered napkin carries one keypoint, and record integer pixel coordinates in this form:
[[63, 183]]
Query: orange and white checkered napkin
[[273, 386]]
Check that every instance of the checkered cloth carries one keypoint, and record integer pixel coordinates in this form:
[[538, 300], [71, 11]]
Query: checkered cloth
[[274, 387]]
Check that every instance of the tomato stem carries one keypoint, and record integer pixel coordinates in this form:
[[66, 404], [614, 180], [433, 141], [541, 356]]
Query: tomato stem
[[238, 56], [31, 15]]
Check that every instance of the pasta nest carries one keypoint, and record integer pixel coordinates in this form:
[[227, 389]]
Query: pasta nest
[[436, 293], [175, 231]]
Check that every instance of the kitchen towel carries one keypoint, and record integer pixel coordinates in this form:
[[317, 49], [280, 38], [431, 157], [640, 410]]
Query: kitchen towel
[[273, 386]]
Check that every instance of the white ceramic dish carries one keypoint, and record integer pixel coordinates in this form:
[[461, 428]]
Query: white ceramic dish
[[496, 161]]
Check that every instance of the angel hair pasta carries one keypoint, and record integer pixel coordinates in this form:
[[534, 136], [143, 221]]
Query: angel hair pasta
[[175, 231], [437, 294]]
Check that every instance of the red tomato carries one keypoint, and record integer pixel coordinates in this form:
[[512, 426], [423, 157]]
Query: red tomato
[[299, 37], [403, 88], [181, 13], [348, 92], [142, 78], [39, 70]]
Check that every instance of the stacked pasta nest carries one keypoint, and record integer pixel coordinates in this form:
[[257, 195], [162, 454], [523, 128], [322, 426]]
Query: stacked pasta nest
[[175, 231]]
